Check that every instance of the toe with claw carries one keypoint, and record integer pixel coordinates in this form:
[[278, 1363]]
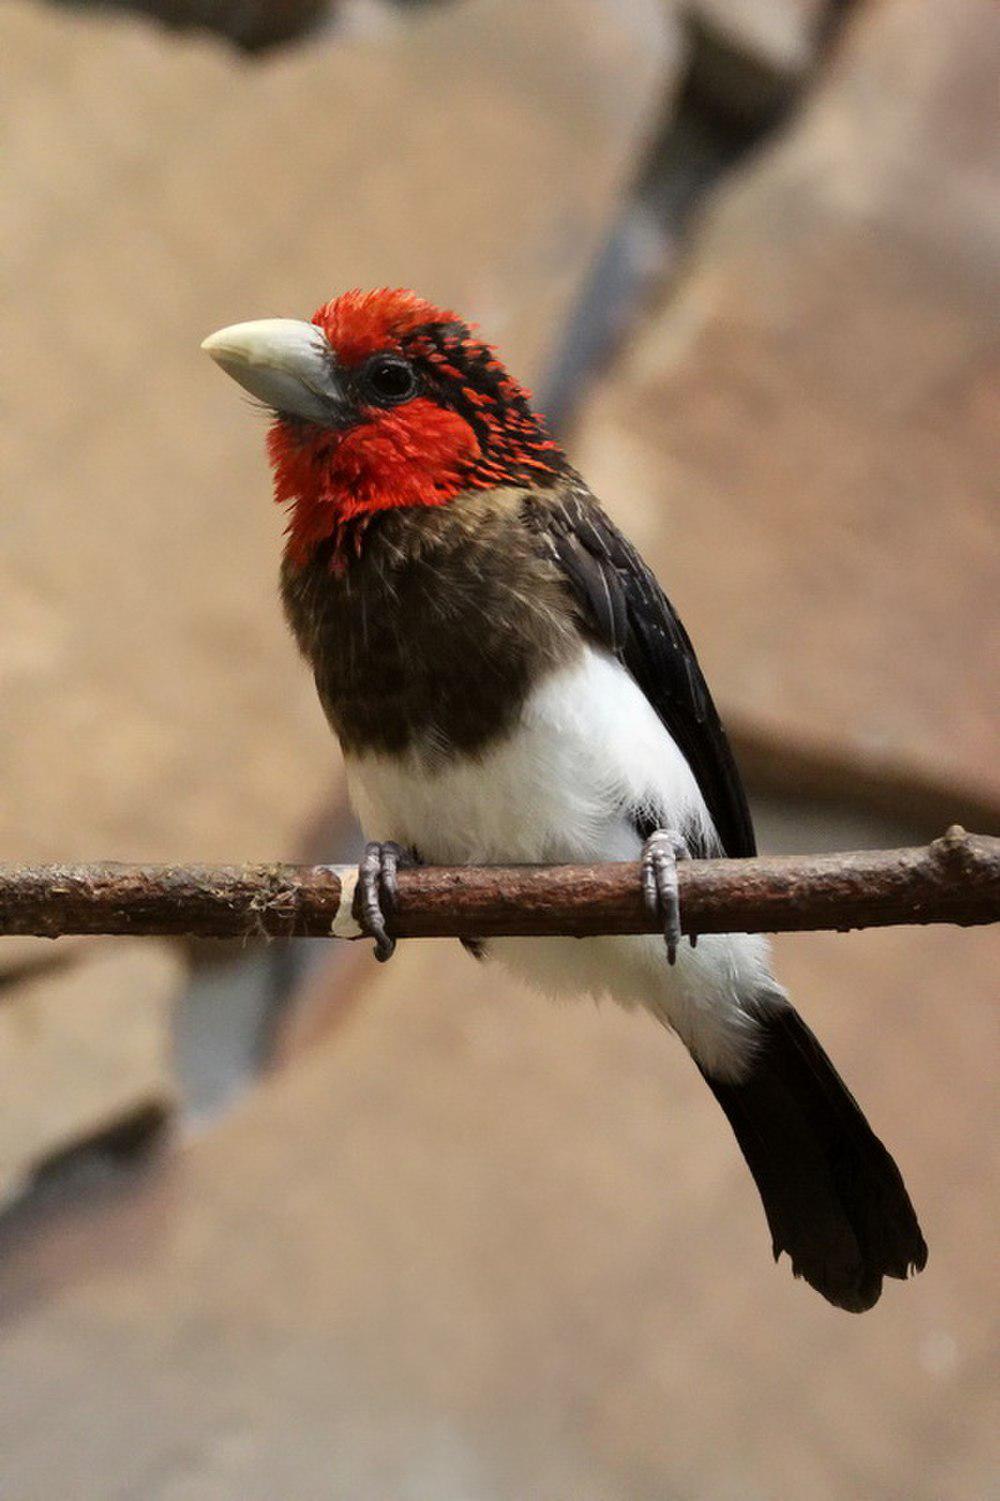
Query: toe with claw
[[377, 892], [660, 855]]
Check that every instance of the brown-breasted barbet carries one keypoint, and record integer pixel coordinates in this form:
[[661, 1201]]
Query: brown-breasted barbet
[[509, 683]]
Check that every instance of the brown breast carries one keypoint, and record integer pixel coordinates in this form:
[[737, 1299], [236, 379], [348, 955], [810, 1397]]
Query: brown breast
[[433, 636]]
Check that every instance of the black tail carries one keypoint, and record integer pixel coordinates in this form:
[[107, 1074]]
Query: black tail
[[834, 1198]]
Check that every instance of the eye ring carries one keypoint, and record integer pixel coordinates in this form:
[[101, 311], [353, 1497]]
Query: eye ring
[[388, 379]]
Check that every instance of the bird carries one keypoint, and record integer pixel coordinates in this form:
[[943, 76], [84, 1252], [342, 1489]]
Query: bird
[[510, 684]]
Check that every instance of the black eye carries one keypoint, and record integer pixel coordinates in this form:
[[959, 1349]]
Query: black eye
[[388, 378]]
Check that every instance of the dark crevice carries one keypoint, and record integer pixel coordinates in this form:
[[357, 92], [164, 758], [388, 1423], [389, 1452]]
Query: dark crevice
[[727, 106], [251, 25], [121, 1148], [62, 955]]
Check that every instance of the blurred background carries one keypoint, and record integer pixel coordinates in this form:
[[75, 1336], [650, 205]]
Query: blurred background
[[279, 1223]]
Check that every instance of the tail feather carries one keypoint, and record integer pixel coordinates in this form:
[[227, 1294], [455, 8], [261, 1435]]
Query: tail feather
[[834, 1199]]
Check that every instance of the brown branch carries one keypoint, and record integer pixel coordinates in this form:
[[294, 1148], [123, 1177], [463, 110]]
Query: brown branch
[[954, 880]]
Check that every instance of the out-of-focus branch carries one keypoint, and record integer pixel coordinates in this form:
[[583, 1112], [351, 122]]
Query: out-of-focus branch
[[954, 880]]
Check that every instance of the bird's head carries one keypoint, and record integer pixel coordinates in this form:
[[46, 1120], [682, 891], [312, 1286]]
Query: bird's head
[[382, 400]]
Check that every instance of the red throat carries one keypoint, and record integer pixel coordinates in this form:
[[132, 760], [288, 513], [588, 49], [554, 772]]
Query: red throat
[[416, 455]]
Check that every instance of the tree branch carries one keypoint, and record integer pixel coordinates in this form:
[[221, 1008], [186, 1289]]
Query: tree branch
[[954, 880]]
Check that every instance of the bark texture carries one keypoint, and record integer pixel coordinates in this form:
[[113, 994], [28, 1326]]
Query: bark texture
[[956, 879]]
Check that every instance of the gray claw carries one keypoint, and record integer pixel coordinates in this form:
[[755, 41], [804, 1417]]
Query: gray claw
[[377, 885], [660, 891]]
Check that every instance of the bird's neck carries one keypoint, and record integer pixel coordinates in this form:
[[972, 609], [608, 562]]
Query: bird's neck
[[420, 457], [334, 483]]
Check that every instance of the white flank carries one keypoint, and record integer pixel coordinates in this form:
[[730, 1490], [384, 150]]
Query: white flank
[[588, 747]]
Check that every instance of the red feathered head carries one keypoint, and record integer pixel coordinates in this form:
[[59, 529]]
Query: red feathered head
[[383, 400]]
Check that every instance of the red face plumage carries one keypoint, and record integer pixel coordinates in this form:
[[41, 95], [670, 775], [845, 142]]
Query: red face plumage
[[457, 421]]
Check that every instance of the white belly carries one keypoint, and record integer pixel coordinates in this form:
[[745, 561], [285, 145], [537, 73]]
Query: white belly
[[588, 749]]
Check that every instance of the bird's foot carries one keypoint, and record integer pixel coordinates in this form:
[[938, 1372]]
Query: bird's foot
[[377, 888], [660, 855]]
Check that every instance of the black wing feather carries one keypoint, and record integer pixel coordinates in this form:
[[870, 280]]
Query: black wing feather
[[627, 611]]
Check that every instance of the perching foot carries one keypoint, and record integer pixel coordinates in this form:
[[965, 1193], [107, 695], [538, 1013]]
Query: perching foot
[[377, 887], [660, 855]]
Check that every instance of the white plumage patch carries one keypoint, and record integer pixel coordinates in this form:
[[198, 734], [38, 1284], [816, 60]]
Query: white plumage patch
[[589, 747]]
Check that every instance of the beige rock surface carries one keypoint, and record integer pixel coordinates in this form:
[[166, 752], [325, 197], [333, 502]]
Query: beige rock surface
[[82, 1047], [803, 438], [479, 1245], [157, 188]]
